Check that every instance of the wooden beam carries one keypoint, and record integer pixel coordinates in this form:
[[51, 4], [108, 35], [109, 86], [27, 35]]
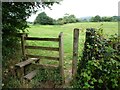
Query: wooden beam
[[43, 57], [24, 63], [42, 48], [42, 39], [31, 75]]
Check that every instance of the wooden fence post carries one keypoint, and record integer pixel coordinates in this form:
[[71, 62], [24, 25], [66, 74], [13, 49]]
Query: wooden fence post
[[75, 51], [23, 45], [61, 56]]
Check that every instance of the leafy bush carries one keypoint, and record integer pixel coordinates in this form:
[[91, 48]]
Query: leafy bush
[[99, 67]]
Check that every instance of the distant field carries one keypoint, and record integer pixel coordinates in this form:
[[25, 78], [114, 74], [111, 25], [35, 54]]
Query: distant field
[[54, 30]]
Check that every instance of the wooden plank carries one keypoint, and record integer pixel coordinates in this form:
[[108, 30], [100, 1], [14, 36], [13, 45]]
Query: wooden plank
[[27, 62], [43, 57], [42, 39], [75, 51], [42, 48], [61, 56], [46, 66], [31, 75]]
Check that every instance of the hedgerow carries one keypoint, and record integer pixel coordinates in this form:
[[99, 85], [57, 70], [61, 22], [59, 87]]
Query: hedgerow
[[99, 66]]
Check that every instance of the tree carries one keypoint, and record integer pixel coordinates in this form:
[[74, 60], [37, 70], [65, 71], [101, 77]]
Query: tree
[[97, 18], [72, 19], [60, 21], [67, 19], [43, 19]]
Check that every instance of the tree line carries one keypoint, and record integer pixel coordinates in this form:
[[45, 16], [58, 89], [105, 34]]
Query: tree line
[[44, 19], [98, 18]]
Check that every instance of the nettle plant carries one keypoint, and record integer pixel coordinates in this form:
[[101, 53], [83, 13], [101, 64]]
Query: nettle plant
[[99, 67]]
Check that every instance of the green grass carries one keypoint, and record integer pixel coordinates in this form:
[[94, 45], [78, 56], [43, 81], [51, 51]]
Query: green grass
[[54, 30]]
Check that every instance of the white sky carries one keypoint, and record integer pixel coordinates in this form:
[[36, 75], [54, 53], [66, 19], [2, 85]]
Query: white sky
[[81, 8]]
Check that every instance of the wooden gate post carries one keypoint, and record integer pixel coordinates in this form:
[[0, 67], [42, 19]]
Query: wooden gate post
[[23, 45], [75, 51], [61, 56]]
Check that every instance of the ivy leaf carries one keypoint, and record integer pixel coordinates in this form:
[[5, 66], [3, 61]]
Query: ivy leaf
[[94, 80], [86, 85], [100, 81]]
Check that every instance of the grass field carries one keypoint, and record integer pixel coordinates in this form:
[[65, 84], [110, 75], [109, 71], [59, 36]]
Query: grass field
[[109, 28]]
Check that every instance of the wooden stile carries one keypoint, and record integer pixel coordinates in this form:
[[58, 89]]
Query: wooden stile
[[23, 64]]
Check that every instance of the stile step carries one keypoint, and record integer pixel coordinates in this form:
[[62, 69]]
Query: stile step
[[31, 75], [27, 62]]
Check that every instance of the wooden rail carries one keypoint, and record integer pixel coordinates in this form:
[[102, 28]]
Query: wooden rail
[[43, 57], [42, 48], [42, 39]]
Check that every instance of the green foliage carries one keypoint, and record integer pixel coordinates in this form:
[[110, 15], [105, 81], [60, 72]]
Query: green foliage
[[60, 21], [14, 15], [43, 19], [106, 19], [99, 67], [48, 75], [66, 19], [116, 18], [69, 18], [98, 18], [13, 82]]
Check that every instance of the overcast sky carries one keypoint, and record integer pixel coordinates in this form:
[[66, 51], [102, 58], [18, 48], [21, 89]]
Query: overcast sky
[[81, 8]]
